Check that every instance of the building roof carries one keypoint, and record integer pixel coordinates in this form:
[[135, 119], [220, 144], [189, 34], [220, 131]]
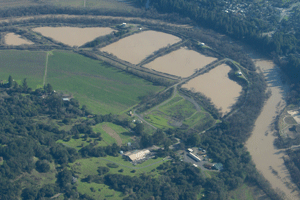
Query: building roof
[[218, 166], [137, 155]]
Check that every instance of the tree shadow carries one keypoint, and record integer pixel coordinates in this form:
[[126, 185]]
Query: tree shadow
[[127, 134]]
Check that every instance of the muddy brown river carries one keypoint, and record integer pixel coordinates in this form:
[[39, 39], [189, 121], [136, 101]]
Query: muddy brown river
[[266, 157]]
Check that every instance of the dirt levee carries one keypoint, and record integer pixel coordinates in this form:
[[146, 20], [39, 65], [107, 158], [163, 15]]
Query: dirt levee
[[181, 62], [136, 47], [112, 133], [13, 39], [216, 85], [73, 36]]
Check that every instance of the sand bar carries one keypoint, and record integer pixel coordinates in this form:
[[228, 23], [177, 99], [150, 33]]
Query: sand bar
[[216, 85], [73, 36], [260, 145], [136, 47], [14, 39], [182, 62]]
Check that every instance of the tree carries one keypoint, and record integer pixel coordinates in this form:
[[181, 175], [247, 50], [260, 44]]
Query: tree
[[49, 88], [29, 194], [10, 81], [64, 177], [42, 166], [24, 85], [139, 129]]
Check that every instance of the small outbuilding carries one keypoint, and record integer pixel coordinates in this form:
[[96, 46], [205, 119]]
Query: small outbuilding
[[218, 166]]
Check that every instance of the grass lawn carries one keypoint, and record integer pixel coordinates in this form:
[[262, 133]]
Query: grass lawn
[[101, 88], [158, 120], [124, 134], [23, 64], [197, 118], [105, 136], [39, 179], [179, 109], [89, 166], [241, 193]]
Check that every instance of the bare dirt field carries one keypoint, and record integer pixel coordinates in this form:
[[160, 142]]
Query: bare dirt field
[[267, 158], [13, 39], [216, 85], [136, 47], [182, 62], [112, 133], [73, 36]]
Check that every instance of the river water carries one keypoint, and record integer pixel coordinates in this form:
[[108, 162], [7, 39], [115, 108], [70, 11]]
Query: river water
[[267, 158]]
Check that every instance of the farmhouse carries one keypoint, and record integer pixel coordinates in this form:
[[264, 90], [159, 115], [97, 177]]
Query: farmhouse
[[137, 154]]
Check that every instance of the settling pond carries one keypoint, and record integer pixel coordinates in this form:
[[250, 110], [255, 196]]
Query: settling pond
[[13, 39], [73, 36], [136, 47], [182, 62], [217, 86]]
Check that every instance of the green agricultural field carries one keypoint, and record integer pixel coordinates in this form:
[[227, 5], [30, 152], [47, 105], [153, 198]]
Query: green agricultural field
[[101, 88], [23, 64]]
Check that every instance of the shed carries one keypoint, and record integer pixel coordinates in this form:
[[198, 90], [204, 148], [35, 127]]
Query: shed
[[190, 150], [66, 99], [218, 166]]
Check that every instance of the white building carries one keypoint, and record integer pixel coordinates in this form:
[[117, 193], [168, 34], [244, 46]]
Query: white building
[[137, 155]]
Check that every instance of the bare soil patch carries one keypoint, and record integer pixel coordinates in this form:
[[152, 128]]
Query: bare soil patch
[[182, 62], [216, 85], [73, 36], [14, 39], [113, 134], [136, 47]]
